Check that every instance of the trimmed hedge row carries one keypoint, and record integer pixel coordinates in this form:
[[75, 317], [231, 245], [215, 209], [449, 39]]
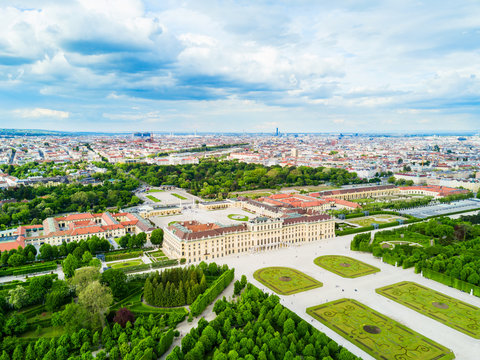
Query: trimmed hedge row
[[144, 267], [123, 255], [13, 284], [163, 263], [203, 300], [451, 281], [28, 269], [165, 342]]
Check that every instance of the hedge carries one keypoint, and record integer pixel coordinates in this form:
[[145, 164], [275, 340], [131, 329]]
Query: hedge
[[165, 342], [29, 270], [123, 255], [451, 281], [203, 300], [164, 263]]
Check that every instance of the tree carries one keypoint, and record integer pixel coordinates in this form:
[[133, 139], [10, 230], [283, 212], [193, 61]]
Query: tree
[[95, 298], [18, 297], [122, 316], [15, 324], [38, 288], [59, 295], [84, 276], [87, 257], [237, 287], [123, 241], [74, 317], [16, 260], [69, 265], [116, 280], [140, 240], [46, 252], [156, 238], [288, 326]]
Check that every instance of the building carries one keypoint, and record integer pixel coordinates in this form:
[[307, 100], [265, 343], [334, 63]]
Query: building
[[432, 190], [76, 227], [358, 192], [195, 241]]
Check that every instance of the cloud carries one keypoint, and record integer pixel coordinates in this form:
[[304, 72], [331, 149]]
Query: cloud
[[208, 62], [42, 113]]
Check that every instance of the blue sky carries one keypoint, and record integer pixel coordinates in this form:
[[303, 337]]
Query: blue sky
[[302, 66]]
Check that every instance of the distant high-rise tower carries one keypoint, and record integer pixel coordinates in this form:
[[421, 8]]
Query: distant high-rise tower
[[276, 133]]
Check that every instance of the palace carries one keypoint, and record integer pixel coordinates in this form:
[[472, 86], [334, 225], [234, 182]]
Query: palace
[[195, 241]]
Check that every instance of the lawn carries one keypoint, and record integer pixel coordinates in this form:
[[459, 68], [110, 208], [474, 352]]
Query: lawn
[[401, 236], [445, 309], [153, 198], [125, 264], [47, 332], [381, 337], [377, 219], [238, 217], [154, 191], [345, 266], [285, 281], [179, 196]]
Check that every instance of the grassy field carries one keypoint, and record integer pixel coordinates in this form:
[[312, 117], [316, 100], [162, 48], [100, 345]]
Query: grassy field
[[153, 198], [125, 264], [345, 266], [154, 191], [445, 309], [47, 332], [377, 219], [285, 281], [179, 196], [238, 217], [158, 255], [381, 337]]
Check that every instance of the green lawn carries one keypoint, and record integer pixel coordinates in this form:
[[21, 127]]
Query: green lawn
[[154, 191], [179, 196], [238, 217], [345, 266], [381, 337], [377, 219], [445, 309], [47, 332], [153, 198], [285, 281], [125, 264]]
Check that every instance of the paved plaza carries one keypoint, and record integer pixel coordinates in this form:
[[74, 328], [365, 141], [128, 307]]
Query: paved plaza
[[204, 216], [361, 289]]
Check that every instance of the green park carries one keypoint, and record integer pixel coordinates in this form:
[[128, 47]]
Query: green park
[[238, 217], [440, 307], [345, 266], [381, 337], [286, 281]]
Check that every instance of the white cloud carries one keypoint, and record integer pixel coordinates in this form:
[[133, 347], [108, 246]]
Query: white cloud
[[42, 113]]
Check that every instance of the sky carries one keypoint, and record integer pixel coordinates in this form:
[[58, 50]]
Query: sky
[[234, 66]]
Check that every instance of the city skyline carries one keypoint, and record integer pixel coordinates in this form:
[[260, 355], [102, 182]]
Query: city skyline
[[132, 65]]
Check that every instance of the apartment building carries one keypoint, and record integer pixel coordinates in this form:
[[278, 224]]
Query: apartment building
[[195, 241]]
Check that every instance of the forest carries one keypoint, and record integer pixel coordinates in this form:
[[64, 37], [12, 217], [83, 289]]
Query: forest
[[34, 204], [212, 178], [174, 287], [256, 326]]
